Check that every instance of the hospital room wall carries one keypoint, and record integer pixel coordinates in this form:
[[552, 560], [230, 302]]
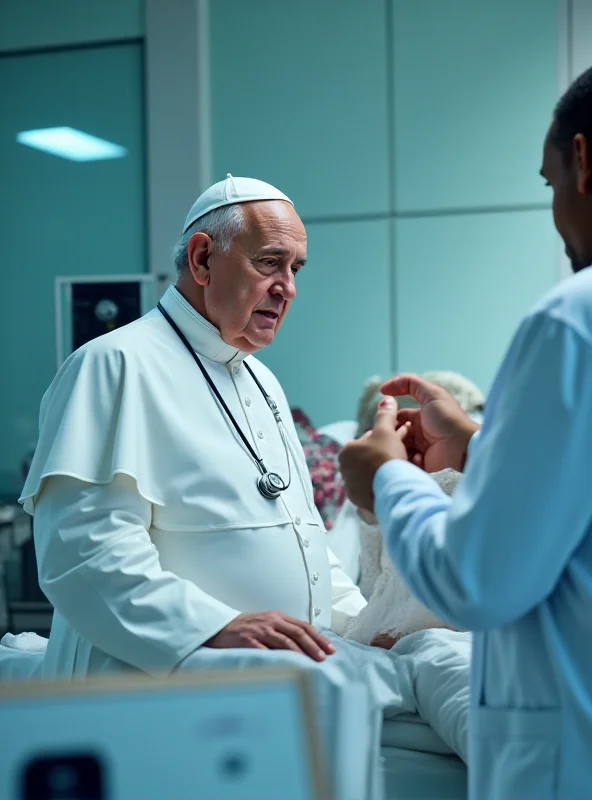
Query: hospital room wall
[[474, 244], [409, 134], [34, 24], [62, 62], [298, 98]]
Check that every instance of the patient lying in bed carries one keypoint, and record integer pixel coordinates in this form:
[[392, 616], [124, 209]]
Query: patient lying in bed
[[392, 611]]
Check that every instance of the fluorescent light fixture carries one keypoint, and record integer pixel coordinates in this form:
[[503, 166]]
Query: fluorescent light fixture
[[71, 143]]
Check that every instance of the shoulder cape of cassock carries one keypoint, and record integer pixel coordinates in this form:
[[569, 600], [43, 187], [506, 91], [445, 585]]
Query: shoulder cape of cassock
[[115, 406]]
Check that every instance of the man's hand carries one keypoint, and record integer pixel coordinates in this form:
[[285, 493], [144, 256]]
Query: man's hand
[[359, 460], [272, 630], [439, 431]]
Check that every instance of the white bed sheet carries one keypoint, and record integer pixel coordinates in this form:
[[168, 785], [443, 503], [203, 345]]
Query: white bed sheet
[[410, 732], [431, 669], [436, 665], [21, 657], [413, 775]]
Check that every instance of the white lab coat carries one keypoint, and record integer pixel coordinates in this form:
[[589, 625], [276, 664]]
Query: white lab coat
[[510, 557], [151, 534]]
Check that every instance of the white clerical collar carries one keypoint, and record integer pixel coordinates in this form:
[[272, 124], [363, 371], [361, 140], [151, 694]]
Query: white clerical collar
[[201, 334]]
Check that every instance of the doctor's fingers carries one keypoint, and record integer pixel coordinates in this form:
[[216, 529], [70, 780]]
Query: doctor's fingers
[[402, 433], [416, 437], [418, 460], [412, 415], [420, 390], [386, 415]]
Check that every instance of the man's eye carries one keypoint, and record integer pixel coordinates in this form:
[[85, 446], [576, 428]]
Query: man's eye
[[295, 270], [268, 262]]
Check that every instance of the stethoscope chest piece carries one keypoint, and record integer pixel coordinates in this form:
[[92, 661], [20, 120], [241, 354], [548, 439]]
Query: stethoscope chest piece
[[271, 485]]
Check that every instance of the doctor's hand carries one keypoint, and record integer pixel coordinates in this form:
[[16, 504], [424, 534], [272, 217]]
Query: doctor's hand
[[272, 630], [439, 431], [361, 459]]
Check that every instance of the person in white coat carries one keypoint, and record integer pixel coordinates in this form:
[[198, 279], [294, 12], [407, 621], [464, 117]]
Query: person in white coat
[[510, 556], [172, 504]]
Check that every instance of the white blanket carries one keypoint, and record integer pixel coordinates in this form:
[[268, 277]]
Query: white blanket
[[426, 673], [391, 609]]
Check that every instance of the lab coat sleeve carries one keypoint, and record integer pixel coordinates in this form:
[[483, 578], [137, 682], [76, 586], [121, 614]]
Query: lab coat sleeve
[[346, 599], [100, 570], [496, 550]]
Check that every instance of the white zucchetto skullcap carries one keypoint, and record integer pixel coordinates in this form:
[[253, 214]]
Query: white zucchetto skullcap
[[231, 191]]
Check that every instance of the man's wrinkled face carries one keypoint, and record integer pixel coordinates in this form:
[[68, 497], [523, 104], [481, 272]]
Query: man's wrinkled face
[[571, 182], [248, 289]]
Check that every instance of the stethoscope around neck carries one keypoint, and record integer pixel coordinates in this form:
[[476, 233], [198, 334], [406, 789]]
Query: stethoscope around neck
[[270, 484]]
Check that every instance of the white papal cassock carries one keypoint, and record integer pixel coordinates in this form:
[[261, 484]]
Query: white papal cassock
[[151, 534]]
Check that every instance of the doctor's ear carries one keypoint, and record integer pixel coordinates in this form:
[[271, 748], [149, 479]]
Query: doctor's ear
[[583, 161], [199, 250]]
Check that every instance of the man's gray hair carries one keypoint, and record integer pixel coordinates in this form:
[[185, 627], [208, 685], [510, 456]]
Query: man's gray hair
[[221, 225]]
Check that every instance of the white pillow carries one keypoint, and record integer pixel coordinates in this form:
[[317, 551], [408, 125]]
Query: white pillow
[[341, 432], [343, 538]]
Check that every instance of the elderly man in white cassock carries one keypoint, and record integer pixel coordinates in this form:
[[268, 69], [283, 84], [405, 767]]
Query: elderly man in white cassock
[[173, 509], [174, 520]]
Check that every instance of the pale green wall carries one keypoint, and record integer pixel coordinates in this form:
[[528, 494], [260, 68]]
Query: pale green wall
[[465, 282], [333, 325], [26, 24], [473, 93], [298, 98], [59, 217], [409, 134]]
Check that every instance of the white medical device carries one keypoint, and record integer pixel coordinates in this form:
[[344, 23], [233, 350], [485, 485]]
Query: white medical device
[[232, 735], [87, 306]]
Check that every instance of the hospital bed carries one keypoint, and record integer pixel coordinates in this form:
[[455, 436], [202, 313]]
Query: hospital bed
[[418, 751], [416, 762]]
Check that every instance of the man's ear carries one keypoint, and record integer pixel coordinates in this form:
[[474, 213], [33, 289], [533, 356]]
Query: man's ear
[[582, 163], [199, 250]]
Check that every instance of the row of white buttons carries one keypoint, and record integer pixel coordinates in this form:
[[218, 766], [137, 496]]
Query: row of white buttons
[[260, 434], [236, 370]]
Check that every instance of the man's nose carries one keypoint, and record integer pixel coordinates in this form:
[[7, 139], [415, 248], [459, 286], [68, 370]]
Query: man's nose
[[286, 287]]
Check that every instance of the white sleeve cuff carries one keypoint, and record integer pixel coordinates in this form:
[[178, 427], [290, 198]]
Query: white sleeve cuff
[[399, 487], [399, 472]]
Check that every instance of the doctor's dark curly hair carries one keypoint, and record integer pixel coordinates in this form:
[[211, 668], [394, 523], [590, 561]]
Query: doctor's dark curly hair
[[573, 114]]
